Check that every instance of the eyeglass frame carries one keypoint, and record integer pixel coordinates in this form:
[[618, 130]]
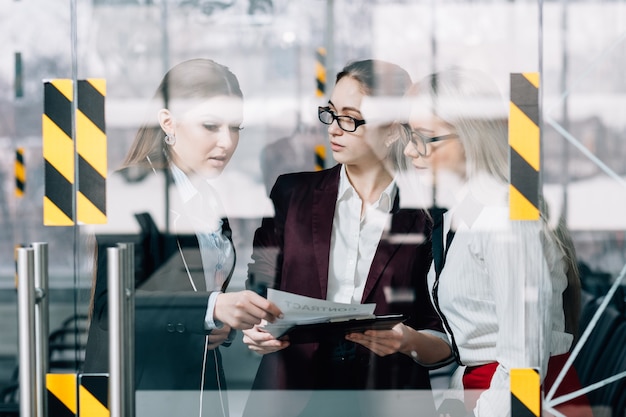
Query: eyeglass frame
[[427, 140], [357, 122]]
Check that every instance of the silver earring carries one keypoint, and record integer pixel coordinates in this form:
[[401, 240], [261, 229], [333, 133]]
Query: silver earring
[[170, 139]]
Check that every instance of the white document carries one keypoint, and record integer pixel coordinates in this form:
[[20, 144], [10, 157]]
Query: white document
[[298, 309]]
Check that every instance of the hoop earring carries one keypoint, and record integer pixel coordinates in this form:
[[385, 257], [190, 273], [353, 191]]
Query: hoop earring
[[170, 139]]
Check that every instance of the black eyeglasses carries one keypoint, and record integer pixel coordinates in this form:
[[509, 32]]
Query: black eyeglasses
[[421, 141], [346, 123]]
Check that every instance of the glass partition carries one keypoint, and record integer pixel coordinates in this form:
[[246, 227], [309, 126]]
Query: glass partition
[[201, 217]]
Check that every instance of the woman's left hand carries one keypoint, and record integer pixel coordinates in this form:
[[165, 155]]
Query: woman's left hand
[[218, 336], [382, 342]]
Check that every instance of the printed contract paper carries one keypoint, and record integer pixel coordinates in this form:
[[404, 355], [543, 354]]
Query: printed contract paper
[[298, 310]]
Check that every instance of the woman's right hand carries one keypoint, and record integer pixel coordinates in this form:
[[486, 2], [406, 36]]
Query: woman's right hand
[[262, 342], [244, 309]]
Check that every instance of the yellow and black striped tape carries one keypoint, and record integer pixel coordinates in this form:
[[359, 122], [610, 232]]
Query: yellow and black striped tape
[[91, 145], [93, 395], [525, 392], [58, 153], [320, 157], [63, 186], [20, 172], [320, 72], [524, 146], [62, 398]]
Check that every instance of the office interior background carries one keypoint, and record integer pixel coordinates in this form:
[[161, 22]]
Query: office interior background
[[280, 50]]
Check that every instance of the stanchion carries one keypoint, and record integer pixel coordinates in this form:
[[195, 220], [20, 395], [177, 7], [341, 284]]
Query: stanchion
[[26, 331], [120, 265]]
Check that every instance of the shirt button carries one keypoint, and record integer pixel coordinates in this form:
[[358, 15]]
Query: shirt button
[[180, 328], [170, 328]]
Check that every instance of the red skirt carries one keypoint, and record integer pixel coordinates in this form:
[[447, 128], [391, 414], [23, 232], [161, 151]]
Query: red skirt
[[478, 379]]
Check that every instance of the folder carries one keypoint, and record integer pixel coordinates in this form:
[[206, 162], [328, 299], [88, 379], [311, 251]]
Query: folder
[[337, 329]]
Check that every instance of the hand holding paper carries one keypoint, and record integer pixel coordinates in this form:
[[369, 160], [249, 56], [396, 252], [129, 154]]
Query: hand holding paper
[[309, 319]]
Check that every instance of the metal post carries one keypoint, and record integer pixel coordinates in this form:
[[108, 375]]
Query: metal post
[[129, 326], [120, 265], [26, 331], [42, 324], [115, 343]]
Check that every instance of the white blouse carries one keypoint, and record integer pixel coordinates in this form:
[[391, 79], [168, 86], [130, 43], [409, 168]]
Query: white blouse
[[354, 240], [500, 290], [216, 250]]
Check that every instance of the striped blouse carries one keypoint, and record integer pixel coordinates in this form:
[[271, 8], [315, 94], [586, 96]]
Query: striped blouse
[[500, 290]]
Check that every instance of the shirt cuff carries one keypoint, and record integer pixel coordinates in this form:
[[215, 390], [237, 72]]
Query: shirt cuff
[[441, 363], [210, 323]]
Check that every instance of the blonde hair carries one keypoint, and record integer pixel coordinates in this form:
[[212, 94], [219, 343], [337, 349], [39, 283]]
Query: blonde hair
[[471, 104]]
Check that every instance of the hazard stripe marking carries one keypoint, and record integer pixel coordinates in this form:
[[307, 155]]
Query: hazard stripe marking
[[320, 71], [524, 178], [91, 146], [58, 149], [62, 393], [525, 392], [91, 184], [91, 103], [524, 147], [20, 172], [58, 153], [58, 107], [524, 95], [58, 191], [93, 395], [521, 208], [320, 157]]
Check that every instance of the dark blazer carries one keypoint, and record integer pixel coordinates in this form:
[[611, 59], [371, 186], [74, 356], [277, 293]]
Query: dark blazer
[[291, 253], [169, 321]]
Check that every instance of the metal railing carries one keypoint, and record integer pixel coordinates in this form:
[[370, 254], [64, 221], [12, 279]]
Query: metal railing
[[121, 275], [32, 292], [33, 321]]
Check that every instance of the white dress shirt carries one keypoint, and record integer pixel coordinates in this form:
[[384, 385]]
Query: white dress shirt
[[354, 240], [500, 290], [216, 250]]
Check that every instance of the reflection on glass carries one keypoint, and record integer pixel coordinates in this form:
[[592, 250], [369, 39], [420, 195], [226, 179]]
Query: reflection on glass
[[182, 313], [508, 291]]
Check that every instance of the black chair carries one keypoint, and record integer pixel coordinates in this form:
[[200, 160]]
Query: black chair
[[66, 344], [610, 362], [598, 340], [603, 354]]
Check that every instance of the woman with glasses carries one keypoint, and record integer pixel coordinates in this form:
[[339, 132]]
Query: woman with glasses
[[337, 235], [508, 291]]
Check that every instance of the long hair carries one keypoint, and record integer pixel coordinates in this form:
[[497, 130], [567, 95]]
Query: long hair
[[472, 105], [388, 81], [193, 79]]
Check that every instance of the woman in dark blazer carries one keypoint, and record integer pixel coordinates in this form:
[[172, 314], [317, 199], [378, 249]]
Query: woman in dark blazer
[[340, 235], [183, 317]]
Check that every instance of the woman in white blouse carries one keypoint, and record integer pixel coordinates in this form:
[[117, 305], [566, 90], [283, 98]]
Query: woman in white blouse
[[506, 288]]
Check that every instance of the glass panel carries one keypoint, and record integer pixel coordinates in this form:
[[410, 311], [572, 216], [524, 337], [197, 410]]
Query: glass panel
[[583, 138], [280, 52], [32, 55]]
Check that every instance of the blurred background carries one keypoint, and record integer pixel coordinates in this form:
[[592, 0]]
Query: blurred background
[[286, 54]]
